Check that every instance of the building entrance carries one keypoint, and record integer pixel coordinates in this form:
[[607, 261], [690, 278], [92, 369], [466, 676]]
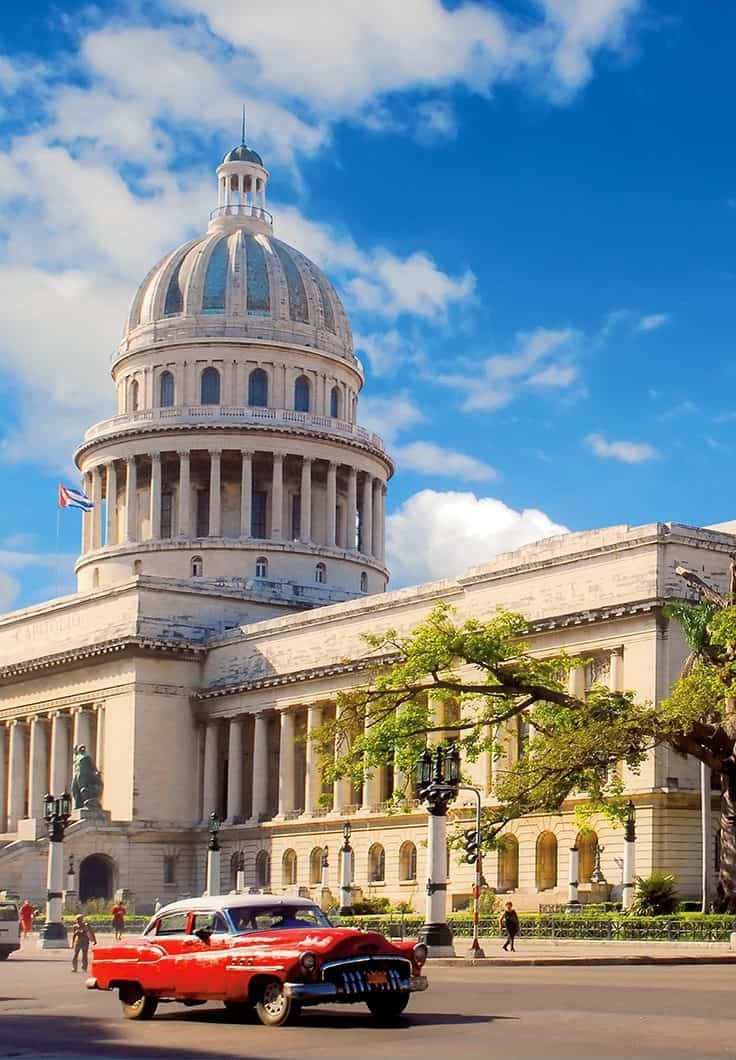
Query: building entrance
[[95, 877]]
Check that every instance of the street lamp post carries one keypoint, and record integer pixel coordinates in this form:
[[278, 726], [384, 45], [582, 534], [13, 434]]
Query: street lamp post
[[438, 782], [346, 894], [56, 814], [629, 873], [573, 872], [240, 873], [213, 856]]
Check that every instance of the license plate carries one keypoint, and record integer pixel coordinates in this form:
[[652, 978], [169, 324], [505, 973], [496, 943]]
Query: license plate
[[376, 978]]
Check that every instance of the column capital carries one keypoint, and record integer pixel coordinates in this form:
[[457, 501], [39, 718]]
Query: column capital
[[183, 454], [215, 453], [246, 454], [307, 459], [278, 457], [130, 460], [155, 458]]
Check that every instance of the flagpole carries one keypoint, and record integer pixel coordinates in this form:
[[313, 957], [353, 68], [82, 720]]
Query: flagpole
[[56, 556]]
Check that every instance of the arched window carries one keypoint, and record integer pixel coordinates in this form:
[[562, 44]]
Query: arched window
[[96, 578], [320, 574], [197, 567], [335, 403], [407, 861], [133, 396], [210, 387], [288, 868], [258, 388], [587, 844], [301, 394], [363, 582], [137, 566], [315, 866], [546, 867], [166, 390], [376, 864], [508, 863], [263, 869], [261, 567]]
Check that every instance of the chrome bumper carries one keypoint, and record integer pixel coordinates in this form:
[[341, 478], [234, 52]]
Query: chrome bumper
[[328, 991]]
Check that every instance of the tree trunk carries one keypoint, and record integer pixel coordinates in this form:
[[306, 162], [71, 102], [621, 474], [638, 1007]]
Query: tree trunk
[[726, 891]]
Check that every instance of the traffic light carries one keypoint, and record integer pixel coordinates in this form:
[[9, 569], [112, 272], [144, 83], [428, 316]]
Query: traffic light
[[472, 846]]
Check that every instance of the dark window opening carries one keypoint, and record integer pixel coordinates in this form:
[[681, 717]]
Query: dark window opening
[[167, 509], [258, 514], [203, 513]]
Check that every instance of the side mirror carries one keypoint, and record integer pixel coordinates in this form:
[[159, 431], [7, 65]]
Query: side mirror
[[203, 934]]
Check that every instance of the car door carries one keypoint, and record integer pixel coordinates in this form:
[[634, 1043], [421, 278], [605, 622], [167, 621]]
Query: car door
[[170, 936], [200, 965]]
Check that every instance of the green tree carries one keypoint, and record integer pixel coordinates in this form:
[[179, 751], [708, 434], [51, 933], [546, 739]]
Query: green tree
[[494, 682]]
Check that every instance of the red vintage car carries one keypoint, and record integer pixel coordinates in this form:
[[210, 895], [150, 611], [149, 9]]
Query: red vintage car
[[265, 952]]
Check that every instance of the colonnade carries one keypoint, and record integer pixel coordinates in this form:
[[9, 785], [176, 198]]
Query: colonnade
[[36, 758], [363, 499], [249, 756], [240, 189]]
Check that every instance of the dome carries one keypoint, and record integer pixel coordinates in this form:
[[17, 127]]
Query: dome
[[239, 284], [243, 153]]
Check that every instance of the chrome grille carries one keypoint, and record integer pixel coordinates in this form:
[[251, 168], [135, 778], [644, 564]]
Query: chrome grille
[[351, 977]]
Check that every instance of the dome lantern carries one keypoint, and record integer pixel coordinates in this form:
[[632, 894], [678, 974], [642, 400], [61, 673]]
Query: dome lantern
[[241, 191]]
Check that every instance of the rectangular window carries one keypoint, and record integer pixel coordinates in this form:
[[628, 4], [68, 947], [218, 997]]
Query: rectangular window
[[172, 924], [166, 510], [169, 869], [203, 513], [296, 516], [258, 514]]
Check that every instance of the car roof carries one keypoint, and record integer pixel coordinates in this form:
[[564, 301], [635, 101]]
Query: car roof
[[225, 901]]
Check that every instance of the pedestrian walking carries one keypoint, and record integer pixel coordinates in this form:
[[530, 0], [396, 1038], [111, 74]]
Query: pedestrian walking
[[509, 922], [118, 919], [82, 935], [25, 915]]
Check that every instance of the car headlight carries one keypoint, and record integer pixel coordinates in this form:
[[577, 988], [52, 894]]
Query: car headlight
[[308, 963], [419, 954]]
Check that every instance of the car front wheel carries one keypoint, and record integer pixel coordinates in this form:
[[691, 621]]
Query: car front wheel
[[386, 1007], [273, 1008], [136, 1004]]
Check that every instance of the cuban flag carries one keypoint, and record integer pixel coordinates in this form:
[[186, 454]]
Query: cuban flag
[[71, 498]]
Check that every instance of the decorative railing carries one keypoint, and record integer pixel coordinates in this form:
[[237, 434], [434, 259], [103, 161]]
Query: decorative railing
[[232, 414], [242, 210]]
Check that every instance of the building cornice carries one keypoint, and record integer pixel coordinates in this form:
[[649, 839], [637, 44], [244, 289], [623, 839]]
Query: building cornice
[[153, 645]]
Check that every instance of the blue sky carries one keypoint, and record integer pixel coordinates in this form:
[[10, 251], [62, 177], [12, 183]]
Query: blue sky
[[529, 209]]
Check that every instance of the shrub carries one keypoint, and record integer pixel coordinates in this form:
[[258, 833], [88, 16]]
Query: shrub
[[655, 895]]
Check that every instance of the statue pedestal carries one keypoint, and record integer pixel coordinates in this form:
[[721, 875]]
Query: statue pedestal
[[92, 813]]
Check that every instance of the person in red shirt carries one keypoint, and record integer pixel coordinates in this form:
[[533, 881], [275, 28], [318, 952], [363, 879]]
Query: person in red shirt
[[118, 919], [25, 915]]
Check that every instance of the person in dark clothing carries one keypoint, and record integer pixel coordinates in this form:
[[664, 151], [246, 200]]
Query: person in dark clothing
[[509, 926], [82, 935]]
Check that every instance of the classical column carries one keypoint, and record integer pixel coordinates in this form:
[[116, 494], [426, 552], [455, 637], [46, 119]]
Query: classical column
[[235, 771], [60, 778], [576, 682], [97, 510], [313, 780], [100, 736], [87, 516], [82, 732], [111, 489], [209, 782], [286, 763], [352, 509], [377, 507], [277, 496], [331, 502], [215, 494], [259, 800], [155, 496], [38, 778], [246, 493], [131, 499], [616, 673], [366, 517], [371, 785], [341, 791], [17, 785], [305, 503], [3, 778], [185, 494]]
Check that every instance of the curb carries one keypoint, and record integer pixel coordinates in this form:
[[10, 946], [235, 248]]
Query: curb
[[571, 962]]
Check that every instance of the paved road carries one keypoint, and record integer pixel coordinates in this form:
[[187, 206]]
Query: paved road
[[514, 1013]]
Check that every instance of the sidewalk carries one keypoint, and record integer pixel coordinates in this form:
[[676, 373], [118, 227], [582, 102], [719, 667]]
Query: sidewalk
[[567, 952]]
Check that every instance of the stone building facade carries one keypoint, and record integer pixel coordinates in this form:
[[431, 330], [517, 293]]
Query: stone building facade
[[229, 569]]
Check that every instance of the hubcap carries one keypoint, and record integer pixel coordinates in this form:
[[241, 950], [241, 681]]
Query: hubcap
[[273, 999]]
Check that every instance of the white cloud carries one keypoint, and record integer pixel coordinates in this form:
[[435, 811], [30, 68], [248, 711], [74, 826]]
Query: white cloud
[[386, 351], [653, 321], [14, 561], [543, 357], [429, 459], [456, 531], [340, 57], [626, 452], [389, 416], [9, 589]]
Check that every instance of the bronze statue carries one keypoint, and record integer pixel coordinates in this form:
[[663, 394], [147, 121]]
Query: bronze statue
[[87, 781]]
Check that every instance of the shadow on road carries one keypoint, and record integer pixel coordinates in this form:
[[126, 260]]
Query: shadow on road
[[312, 1020]]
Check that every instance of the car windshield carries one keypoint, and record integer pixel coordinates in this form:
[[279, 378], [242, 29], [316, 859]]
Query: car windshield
[[276, 917], [8, 912]]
